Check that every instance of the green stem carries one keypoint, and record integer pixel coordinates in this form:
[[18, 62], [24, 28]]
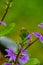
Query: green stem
[[31, 43], [19, 51], [22, 43], [17, 56], [7, 8], [25, 49]]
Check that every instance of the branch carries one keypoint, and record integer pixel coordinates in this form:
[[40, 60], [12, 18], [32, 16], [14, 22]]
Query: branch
[[17, 56], [7, 8], [31, 43], [25, 49]]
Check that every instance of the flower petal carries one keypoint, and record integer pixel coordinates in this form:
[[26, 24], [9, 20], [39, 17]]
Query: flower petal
[[9, 51], [10, 59], [7, 64], [36, 34], [24, 59], [7, 55], [3, 23], [29, 36], [40, 25], [14, 57], [10, 54], [23, 52], [41, 38], [19, 46], [28, 41]]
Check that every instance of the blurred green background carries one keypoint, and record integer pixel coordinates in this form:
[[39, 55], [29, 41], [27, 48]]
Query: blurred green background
[[28, 14]]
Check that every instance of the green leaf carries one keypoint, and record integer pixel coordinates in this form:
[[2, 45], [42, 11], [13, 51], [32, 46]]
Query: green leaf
[[34, 61], [23, 33], [9, 1], [7, 29]]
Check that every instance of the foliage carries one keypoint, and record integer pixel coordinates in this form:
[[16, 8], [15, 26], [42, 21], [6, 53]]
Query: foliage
[[7, 29], [34, 61]]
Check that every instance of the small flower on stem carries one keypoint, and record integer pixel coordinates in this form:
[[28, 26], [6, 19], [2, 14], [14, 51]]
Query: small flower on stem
[[41, 38], [3, 23], [23, 59], [29, 36], [19, 47], [40, 25], [10, 54], [38, 36], [23, 52], [7, 64]]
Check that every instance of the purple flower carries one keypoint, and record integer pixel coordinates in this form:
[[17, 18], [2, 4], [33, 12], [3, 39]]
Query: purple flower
[[23, 52], [41, 38], [28, 41], [10, 64], [29, 36], [7, 64], [19, 47], [23, 59], [3, 23], [36, 34], [40, 25], [10, 54]]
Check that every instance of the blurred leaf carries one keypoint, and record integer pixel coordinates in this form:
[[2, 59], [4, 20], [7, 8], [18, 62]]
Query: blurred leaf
[[8, 43], [34, 61], [9, 1], [23, 33], [7, 29]]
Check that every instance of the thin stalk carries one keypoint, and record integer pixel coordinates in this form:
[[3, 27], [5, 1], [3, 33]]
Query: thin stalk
[[25, 49], [5, 13], [31, 43]]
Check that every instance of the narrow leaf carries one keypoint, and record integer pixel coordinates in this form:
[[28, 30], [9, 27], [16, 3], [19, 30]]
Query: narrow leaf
[[7, 29]]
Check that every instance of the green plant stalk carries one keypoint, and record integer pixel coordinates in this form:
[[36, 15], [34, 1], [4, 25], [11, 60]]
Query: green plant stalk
[[7, 8], [31, 43], [25, 49]]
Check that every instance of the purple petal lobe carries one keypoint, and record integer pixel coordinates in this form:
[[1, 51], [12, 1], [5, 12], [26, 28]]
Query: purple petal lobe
[[41, 38], [7, 64], [3, 23], [19, 46], [10, 54], [14, 57], [23, 52], [29, 36], [24, 59], [28, 41], [40, 25], [36, 34]]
